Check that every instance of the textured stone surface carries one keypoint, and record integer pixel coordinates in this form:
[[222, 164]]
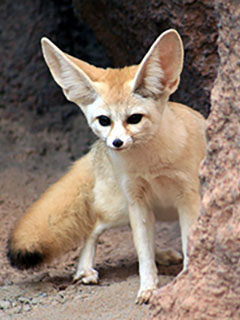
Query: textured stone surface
[[29, 97], [26, 77], [127, 28], [210, 288]]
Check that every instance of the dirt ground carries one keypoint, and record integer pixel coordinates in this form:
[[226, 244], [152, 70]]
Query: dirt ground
[[30, 160]]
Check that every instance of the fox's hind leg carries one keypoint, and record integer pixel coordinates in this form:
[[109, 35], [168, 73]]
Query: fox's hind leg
[[167, 257], [187, 216], [85, 272]]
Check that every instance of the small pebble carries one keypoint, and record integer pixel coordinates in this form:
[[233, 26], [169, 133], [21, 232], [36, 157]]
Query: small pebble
[[43, 295], [34, 301], [4, 304], [27, 308], [14, 303], [23, 300], [61, 294]]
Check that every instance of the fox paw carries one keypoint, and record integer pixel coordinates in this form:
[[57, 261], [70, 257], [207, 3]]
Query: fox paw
[[144, 296], [168, 256], [89, 276]]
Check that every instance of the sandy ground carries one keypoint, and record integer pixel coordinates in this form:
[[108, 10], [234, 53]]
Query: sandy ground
[[48, 293]]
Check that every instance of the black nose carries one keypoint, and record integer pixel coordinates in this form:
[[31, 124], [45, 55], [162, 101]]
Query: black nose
[[117, 143]]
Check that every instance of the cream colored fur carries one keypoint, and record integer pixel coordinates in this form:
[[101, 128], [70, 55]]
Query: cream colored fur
[[153, 174]]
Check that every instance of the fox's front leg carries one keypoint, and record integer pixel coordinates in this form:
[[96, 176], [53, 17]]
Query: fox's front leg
[[85, 272], [142, 224]]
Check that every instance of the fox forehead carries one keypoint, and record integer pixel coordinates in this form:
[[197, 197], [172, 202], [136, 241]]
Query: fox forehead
[[114, 85]]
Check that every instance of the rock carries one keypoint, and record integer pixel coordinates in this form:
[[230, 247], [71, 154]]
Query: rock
[[4, 304], [27, 308], [210, 287], [42, 295], [34, 301], [27, 80], [24, 300]]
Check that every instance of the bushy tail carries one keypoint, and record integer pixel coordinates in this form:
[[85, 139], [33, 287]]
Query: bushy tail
[[61, 217]]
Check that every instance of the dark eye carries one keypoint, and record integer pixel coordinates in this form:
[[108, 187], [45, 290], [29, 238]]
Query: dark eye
[[104, 121], [134, 118]]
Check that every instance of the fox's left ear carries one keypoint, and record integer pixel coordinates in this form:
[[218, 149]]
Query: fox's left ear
[[161, 67]]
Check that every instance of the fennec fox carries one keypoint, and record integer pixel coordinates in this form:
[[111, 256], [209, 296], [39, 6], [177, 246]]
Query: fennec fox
[[144, 165]]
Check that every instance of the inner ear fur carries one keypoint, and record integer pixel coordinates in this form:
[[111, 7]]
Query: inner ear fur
[[76, 77], [161, 67]]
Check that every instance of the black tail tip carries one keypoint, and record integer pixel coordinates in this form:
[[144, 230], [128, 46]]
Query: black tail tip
[[23, 259]]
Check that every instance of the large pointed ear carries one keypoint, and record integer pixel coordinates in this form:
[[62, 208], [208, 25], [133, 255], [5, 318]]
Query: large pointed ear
[[67, 72], [161, 67]]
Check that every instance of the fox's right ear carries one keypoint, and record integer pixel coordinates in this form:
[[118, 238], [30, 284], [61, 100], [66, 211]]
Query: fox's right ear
[[76, 84]]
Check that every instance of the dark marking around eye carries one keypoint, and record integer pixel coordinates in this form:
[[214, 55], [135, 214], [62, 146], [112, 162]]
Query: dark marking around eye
[[134, 118], [104, 121]]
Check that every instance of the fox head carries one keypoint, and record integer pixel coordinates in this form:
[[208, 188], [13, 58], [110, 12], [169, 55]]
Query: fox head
[[124, 106]]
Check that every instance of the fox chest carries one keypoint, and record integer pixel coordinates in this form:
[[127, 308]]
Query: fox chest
[[161, 194], [161, 189], [147, 177]]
